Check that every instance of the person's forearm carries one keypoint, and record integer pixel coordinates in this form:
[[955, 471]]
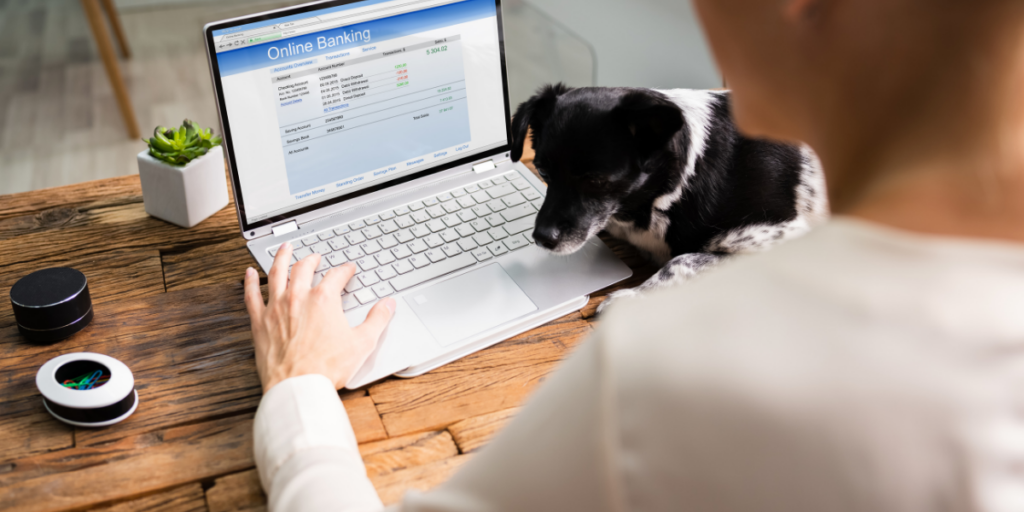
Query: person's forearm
[[306, 452]]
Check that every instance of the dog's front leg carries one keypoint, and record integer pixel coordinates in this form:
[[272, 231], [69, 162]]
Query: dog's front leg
[[677, 270]]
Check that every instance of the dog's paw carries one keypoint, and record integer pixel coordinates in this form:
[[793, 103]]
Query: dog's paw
[[616, 297]]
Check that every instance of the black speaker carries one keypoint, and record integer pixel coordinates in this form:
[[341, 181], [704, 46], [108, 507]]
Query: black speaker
[[51, 304]]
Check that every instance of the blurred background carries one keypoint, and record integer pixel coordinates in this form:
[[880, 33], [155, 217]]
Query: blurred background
[[60, 123]]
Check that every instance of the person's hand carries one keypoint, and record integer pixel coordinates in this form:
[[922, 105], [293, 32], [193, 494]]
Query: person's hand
[[302, 329]]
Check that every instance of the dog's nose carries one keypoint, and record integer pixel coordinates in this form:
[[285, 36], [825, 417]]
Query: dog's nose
[[546, 236]]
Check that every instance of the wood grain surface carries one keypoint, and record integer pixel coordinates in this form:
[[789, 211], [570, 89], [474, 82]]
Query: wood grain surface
[[168, 302]]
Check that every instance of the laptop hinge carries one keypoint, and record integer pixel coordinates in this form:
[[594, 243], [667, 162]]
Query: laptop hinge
[[484, 167], [285, 228]]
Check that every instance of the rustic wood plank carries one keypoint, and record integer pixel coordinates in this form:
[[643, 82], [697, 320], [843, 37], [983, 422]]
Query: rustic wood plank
[[398, 453], [491, 380], [239, 492], [392, 486], [473, 433], [208, 264], [30, 203], [187, 498], [28, 429], [365, 420], [86, 476]]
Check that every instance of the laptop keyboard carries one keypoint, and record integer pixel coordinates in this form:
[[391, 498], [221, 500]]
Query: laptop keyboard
[[398, 249]]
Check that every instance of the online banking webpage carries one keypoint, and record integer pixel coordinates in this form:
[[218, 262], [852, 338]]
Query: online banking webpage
[[327, 112]]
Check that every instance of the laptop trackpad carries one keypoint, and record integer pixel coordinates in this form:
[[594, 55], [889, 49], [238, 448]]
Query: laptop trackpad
[[474, 302]]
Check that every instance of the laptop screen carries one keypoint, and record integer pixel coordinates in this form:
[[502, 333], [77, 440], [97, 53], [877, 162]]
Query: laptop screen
[[331, 100]]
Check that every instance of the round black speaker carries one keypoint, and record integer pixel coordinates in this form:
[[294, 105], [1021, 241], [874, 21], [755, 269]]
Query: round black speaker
[[51, 304]]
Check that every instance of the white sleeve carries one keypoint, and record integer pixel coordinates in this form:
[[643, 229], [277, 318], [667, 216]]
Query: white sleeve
[[306, 451]]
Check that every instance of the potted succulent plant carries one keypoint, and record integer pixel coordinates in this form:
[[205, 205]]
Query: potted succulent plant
[[182, 174]]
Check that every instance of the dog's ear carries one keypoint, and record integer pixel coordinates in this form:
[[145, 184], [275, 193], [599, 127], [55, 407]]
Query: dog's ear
[[652, 119], [534, 112]]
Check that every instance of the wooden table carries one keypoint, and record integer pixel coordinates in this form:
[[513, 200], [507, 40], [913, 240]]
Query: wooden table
[[168, 302]]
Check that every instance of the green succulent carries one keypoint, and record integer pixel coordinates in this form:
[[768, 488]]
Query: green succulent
[[181, 146]]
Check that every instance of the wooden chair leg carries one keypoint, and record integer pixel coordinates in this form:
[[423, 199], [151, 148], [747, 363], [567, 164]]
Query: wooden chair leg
[[106, 47], [115, 23]]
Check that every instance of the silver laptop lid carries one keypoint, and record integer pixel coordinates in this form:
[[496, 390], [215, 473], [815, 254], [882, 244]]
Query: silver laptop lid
[[328, 101]]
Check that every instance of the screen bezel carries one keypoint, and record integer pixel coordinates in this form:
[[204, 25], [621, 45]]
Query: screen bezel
[[211, 55]]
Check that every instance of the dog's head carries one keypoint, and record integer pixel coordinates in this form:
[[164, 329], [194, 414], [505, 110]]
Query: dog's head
[[594, 148]]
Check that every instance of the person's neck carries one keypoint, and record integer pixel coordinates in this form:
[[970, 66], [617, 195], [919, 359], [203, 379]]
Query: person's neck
[[953, 167]]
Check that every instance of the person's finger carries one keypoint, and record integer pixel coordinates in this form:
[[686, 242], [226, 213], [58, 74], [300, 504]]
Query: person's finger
[[337, 278], [377, 319], [277, 278], [253, 297], [302, 272]]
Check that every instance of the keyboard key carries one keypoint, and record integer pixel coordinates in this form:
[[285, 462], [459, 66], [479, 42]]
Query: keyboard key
[[336, 258], [354, 253], [466, 202], [500, 190], [420, 230], [436, 226], [486, 184], [402, 210], [302, 253], [322, 248], [404, 236], [482, 238], [497, 248], [324, 265], [415, 206], [365, 295], [435, 212], [273, 250], [480, 210], [513, 199], [531, 195], [338, 244], [447, 266], [367, 263], [431, 202], [433, 241], [520, 225], [518, 212], [459, 193], [467, 244], [497, 233], [420, 217], [447, 196], [435, 255], [450, 235], [496, 205], [372, 220], [341, 230], [401, 252], [417, 246], [480, 224], [388, 215], [385, 258], [418, 260], [310, 240], [383, 290], [451, 220], [481, 197], [405, 221], [472, 188], [451, 207], [495, 220], [388, 227], [385, 273], [499, 180], [465, 230], [372, 232], [387, 241], [537, 204], [349, 301], [371, 247], [357, 225], [369, 278], [326, 235], [451, 250], [355, 238], [402, 267], [521, 184], [353, 285], [516, 242], [482, 254]]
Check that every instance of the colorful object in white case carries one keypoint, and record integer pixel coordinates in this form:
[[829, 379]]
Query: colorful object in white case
[[86, 389], [184, 195]]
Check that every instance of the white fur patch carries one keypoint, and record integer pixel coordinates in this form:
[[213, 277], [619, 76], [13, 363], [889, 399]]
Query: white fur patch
[[652, 240], [697, 110]]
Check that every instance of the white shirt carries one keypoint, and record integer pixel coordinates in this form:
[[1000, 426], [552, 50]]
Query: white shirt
[[856, 369]]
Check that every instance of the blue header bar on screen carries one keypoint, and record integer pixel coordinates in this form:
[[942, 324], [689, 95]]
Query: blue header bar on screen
[[360, 34], [285, 19]]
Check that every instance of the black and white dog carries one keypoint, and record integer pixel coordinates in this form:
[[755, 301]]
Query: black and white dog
[[666, 171]]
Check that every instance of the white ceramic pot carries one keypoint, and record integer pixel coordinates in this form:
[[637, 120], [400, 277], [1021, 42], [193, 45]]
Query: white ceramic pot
[[184, 195]]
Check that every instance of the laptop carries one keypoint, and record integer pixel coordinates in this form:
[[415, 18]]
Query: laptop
[[378, 132]]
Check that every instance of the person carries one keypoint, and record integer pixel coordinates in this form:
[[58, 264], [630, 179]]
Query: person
[[872, 365]]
